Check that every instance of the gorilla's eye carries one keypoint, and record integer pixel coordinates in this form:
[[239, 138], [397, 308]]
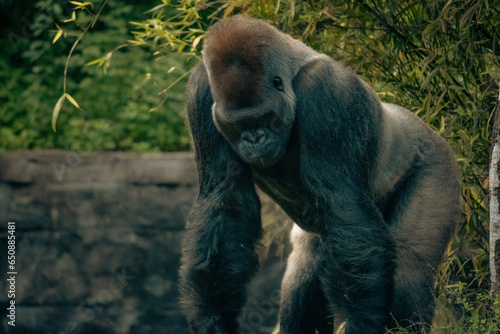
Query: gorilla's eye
[[278, 84]]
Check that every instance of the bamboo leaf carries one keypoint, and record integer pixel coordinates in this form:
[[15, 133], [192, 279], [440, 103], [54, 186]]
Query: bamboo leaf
[[135, 42], [197, 41], [82, 5], [55, 112], [73, 18], [99, 61], [57, 36], [72, 100], [486, 183], [156, 8]]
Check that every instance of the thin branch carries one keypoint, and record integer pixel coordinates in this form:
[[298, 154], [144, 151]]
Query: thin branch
[[167, 89], [91, 24], [175, 82]]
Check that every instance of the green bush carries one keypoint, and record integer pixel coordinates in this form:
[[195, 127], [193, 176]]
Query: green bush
[[115, 106]]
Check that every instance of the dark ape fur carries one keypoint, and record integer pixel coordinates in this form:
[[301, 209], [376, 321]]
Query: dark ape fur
[[373, 190]]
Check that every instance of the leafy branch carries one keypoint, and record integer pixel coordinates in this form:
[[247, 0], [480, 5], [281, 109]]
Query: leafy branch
[[65, 95]]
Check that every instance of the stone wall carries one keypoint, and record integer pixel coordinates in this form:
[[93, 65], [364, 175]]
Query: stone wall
[[98, 243]]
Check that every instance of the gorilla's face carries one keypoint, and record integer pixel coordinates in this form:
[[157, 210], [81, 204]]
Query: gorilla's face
[[255, 119], [251, 85]]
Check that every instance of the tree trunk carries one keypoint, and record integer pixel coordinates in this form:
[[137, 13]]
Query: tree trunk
[[494, 176]]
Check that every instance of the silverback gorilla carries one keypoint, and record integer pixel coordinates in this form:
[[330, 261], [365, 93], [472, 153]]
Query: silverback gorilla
[[374, 192]]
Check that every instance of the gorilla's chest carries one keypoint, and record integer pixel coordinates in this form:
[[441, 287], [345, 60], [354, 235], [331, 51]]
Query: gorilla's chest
[[283, 185]]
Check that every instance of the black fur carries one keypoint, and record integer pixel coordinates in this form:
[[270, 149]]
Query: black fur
[[373, 190]]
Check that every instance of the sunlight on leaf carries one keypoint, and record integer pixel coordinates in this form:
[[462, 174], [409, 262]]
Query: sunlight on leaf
[[82, 5], [72, 100], [136, 42], [98, 61], [197, 41], [73, 18], [58, 35]]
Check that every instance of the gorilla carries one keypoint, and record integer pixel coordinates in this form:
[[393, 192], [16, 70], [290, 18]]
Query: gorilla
[[373, 191]]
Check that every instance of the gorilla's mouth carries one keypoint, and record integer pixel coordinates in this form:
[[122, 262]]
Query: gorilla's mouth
[[265, 157]]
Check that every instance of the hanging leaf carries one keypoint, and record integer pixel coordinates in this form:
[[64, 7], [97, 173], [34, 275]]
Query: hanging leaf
[[72, 100], [57, 108]]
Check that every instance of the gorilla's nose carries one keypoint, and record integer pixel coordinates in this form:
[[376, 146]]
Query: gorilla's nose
[[255, 137]]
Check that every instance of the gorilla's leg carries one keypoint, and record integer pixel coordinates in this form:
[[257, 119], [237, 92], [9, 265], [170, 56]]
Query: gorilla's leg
[[303, 304], [421, 223]]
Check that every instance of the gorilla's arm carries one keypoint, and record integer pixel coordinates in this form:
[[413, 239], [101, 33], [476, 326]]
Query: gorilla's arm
[[218, 248], [338, 119]]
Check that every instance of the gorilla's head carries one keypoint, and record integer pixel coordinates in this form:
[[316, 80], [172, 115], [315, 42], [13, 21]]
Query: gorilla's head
[[252, 88]]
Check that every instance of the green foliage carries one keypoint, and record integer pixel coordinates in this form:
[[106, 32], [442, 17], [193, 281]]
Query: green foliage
[[457, 312], [115, 107], [462, 316], [471, 319]]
